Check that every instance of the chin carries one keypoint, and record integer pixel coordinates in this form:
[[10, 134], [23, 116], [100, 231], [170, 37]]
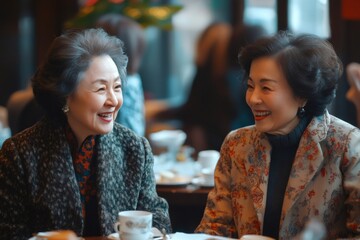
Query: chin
[[105, 130], [261, 128]]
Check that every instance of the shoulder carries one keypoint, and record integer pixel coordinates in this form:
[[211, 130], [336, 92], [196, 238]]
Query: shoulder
[[339, 125], [33, 143], [125, 138], [343, 132], [243, 139], [39, 132], [332, 133], [245, 133]]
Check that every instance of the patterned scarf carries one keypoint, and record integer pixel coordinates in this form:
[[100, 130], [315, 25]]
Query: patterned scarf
[[84, 166]]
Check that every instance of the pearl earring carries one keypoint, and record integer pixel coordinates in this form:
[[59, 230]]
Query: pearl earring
[[65, 108]]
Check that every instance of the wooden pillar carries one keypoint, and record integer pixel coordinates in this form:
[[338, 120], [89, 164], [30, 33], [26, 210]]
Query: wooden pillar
[[282, 10]]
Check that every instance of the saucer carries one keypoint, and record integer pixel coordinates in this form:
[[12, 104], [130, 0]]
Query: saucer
[[177, 180], [155, 231], [200, 181]]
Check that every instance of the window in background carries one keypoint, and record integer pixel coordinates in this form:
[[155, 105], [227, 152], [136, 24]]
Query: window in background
[[309, 16], [188, 24], [168, 65], [263, 13]]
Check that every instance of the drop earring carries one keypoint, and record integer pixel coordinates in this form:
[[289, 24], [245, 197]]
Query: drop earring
[[301, 112], [65, 108]]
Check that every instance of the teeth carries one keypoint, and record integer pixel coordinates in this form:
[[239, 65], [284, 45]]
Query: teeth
[[260, 114], [105, 115]]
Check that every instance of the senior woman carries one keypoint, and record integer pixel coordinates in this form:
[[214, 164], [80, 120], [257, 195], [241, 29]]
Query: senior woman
[[297, 162], [76, 168]]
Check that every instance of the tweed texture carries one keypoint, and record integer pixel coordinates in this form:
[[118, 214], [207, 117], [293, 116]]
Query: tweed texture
[[39, 191]]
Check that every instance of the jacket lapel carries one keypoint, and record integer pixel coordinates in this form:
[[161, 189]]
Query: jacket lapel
[[58, 162], [308, 161], [258, 163], [110, 163]]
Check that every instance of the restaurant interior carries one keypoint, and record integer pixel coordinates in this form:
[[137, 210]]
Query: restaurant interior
[[167, 69]]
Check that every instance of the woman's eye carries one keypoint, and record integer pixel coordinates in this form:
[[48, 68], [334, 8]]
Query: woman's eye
[[249, 86], [118, 87], [100, 89]]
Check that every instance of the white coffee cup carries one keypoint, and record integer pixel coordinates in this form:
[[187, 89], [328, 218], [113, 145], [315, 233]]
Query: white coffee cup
[[208, 159], [207, 176], [134, 224]]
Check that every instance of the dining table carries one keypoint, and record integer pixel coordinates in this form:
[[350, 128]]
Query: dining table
[[178, 183], [186, 205]]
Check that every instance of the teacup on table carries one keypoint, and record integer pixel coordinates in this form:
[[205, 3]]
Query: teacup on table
[[134, 225], [208, 159], [207, 175]]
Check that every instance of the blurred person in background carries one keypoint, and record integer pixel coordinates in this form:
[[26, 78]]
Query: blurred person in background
[[353, 94], [298, 162], [215, 104], [5, 132], [132, 113], [23, 110], [76, 169]]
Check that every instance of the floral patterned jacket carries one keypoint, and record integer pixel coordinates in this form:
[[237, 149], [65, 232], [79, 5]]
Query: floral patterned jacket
[[39, 191], [324, 182]]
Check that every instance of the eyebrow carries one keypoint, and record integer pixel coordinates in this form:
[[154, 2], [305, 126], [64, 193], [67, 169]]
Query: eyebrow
[[105, 81], [264, 80]]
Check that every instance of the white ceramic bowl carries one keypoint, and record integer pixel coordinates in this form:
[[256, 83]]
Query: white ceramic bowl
[[168, 138]]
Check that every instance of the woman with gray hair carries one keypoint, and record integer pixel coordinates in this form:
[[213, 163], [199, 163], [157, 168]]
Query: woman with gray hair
[[77, 168]]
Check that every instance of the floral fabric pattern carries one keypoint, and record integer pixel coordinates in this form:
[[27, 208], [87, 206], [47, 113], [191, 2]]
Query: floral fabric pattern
[[83, 165], [324, 182], [39, 190]]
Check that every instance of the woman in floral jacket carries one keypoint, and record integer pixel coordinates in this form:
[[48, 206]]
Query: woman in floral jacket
[[76, 168], [298, 162]]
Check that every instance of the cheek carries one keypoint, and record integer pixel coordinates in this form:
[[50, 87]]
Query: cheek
[[120, 100], [285, 105], [247, 98]]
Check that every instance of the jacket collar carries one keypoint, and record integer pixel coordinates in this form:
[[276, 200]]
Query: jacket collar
[[308, 160]]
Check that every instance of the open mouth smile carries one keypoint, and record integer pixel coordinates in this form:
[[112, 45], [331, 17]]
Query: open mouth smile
[[108, 117], [260, 115]]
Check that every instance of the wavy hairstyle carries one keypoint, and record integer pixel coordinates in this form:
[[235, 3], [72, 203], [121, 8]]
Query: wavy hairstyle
[[68, 58], [309, 63]]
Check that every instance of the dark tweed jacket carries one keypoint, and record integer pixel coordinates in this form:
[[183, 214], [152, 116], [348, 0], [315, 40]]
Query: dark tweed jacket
[[39, 191]]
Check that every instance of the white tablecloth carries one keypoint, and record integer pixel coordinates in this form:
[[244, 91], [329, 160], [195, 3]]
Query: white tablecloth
[[195, 236], [183, 236]]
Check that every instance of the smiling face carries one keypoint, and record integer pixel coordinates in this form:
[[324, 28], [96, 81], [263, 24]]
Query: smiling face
[[95, 103], [271, 99]]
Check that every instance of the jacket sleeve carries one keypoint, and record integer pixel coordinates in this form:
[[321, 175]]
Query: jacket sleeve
[[14, 220], [351, 171], [148, 198], [218, 214]]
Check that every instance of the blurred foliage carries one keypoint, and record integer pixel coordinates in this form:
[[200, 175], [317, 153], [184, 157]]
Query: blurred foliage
[[145, 12]]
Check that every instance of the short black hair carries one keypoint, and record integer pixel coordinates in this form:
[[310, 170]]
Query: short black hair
[[309, 63]]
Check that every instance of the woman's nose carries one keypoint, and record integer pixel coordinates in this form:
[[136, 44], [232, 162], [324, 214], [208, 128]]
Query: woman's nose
[[112, 98], [254, 97]]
